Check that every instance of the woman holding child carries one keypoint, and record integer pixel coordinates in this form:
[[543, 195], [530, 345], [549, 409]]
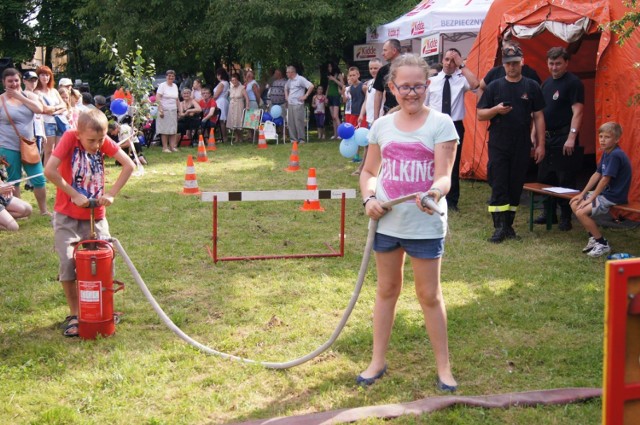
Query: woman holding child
[[427, 139]]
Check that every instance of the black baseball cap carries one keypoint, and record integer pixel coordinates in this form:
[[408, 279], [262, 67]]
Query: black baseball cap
[[29, 75], [511, 54]]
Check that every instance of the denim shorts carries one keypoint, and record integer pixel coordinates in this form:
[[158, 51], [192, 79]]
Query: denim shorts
[[51, 129], [600, 206], [417, 248]]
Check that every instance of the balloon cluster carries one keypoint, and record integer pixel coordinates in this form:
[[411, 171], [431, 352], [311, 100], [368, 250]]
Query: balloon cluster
[[352, 139], [274, 115]]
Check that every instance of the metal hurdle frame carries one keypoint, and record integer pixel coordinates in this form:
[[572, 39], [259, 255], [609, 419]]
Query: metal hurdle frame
[[276, 195]]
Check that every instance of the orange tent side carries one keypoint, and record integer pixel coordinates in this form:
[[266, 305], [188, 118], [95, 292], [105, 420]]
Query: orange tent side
[[600, 62]]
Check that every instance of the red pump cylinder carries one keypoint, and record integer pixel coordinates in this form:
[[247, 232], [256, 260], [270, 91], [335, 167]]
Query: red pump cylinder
[[94, 275]]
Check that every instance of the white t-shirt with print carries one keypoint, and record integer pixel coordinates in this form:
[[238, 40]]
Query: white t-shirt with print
[[408, 167]]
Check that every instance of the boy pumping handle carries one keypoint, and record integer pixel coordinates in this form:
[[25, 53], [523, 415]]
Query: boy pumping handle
[[76, 168]]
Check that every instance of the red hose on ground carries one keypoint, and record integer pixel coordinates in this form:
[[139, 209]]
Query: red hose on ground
[[430, 404]]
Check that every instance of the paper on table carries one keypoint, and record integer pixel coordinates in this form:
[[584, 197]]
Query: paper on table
[[560, 190]]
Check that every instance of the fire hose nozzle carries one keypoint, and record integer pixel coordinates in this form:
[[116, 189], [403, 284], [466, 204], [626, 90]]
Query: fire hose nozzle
[[428, 202]]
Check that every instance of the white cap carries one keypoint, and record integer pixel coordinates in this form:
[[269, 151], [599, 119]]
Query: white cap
[[65, 82]]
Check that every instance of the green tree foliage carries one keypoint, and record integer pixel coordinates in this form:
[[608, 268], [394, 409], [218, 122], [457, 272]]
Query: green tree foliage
[[200, 35], [59, 27], [169, 31], [195, 35], [626, 25], [133, 73], [16, 33]]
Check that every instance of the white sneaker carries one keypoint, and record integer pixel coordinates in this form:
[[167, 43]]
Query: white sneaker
[[592, 242], [598, 250]]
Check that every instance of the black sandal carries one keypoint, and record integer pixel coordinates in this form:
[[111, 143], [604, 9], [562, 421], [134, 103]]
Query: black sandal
[[66, 321], [70, 329]]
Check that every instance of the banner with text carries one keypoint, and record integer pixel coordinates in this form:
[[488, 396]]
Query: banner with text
[[430, 46], [365, 52]]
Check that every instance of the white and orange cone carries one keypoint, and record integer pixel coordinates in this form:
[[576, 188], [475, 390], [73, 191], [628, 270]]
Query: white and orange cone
[[262, 141], [202, 152], [190, 180], [312, 184], [294, 160], [211, 143]]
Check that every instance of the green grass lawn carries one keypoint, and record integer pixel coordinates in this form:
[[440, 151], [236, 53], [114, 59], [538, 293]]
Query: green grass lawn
[[523, 315]]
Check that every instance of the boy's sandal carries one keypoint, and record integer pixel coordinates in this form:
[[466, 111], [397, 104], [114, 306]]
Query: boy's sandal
[[71, 329], [66, 321]]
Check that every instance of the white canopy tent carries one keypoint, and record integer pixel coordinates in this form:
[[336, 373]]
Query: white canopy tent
[[454, 20]]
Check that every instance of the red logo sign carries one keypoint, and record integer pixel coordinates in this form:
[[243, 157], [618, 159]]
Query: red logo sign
[[430, 46], [373, 35], [422, 6], [417, 28], [393, 32], [365, 52]]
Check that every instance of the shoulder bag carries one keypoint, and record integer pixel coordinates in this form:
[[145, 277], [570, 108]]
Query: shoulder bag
[[29, 153]]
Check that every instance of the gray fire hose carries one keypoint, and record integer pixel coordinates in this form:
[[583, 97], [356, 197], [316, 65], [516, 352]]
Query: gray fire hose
[[426, 201]]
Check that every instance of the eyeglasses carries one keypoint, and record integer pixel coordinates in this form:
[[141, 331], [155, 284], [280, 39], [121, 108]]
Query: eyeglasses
[[405, 90]]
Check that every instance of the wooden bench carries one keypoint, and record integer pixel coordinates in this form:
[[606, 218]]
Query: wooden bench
[[540, 189]]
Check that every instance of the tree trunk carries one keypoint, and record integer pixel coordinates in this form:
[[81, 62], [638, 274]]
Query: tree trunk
[[48, 52]]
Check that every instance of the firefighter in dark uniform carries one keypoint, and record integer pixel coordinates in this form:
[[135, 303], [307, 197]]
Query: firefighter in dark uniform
[[563, 94], [510, 103]]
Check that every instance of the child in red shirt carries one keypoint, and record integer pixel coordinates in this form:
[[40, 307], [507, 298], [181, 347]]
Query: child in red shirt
[[76, 167], [209, 106]]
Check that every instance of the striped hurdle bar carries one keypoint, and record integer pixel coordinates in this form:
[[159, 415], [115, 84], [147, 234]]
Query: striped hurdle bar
[[276, 195]]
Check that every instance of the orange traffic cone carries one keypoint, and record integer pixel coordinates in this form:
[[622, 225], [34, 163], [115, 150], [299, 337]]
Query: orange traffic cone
[[202, 152], [262, 142], [211, 143], [294, 160], [312, 204], [190, 181]]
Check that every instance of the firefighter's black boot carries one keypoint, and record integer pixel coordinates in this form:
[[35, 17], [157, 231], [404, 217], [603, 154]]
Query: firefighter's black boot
[[509, 218], [499, 224]]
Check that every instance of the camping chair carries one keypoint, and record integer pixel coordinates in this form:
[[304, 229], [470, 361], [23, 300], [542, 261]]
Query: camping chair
[[270, 132], [251, 119]]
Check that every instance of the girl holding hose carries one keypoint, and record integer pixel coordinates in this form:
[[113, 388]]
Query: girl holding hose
[[410, 151]]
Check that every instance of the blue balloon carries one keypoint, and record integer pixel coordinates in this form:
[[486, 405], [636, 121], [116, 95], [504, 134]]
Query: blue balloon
[[278, 121], [119, 106], [346, 130], [361, 136], [276, 111], [348, 148], [266, 117]]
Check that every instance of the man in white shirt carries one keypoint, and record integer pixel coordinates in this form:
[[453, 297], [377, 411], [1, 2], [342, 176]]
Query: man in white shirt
[[296, 92], [450, 100]]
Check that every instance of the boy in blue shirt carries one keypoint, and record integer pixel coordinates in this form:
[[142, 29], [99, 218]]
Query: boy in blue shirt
[[610, 184]]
